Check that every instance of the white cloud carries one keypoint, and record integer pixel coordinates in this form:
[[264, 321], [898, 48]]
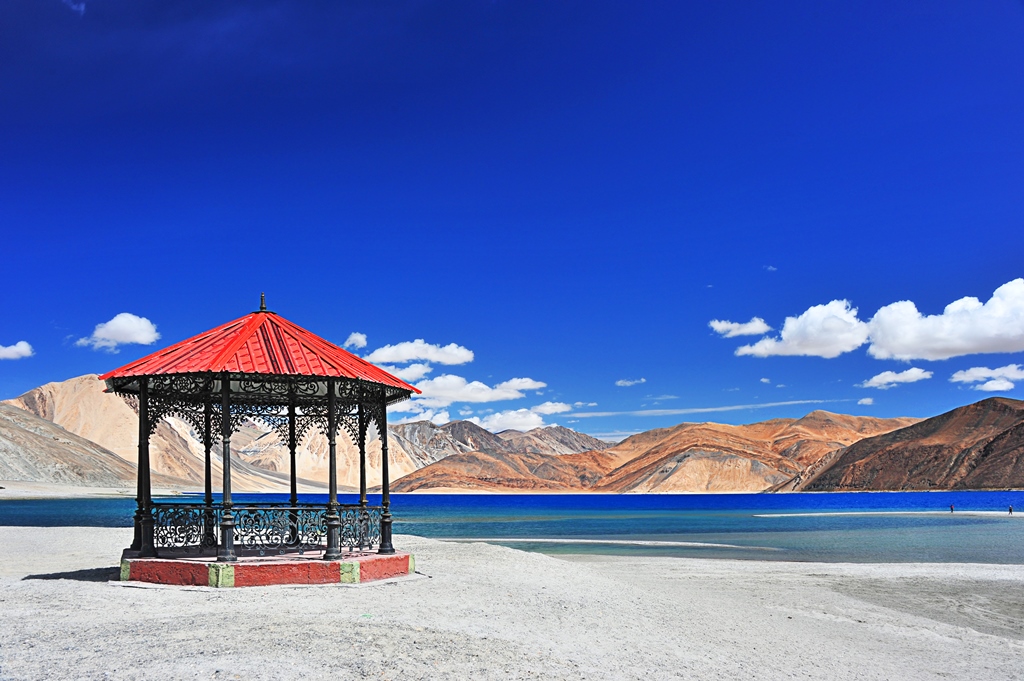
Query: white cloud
[[868, 401], [419, 349], [994, 385], [123, 329], [822, 331], [355, 340], [577, 405], [17, 351], [438, 418], [76, 7], [966, 327], [516, 419], [551, 408], [625, 382], [890, 379], [413, 372], [899, 330], [727, 329], [771, 268], [697, 410], [1001, 378], [448, 388], [766, 380]]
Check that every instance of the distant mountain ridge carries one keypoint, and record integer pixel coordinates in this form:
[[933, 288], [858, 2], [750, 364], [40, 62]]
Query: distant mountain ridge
[[72, 432], [978, 446], [690, 457], [260, 460]]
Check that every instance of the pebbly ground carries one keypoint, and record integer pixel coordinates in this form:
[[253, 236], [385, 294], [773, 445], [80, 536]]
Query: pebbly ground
[[488, 612]]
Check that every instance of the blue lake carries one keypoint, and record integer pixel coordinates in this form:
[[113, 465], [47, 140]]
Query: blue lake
[[832, 527]]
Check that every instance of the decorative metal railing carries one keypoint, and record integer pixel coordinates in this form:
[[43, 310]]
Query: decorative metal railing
[[264, 528]]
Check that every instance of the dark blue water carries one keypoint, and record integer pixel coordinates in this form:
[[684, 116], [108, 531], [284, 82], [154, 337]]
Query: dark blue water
[[834, 527]]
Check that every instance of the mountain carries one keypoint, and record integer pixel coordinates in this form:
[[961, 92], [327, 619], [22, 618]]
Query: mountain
[[689, 457], [260, 459], [978, 446], [81, 407], [712, 457], [38, 450], [551, 440]]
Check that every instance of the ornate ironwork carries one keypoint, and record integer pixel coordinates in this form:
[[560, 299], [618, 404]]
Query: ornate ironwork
[[185, 526], [257, 397], [264, 528]]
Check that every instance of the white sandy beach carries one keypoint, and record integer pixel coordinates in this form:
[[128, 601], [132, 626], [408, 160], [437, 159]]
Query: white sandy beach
[[488, 612]]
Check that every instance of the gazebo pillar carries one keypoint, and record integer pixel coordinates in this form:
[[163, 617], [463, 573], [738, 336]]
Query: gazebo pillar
[[226, 550], [293, 497], [143, 541], [209, 534], [362, 457], [333, 551], [385, 488]]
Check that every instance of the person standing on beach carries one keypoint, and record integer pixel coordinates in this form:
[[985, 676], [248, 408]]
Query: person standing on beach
[[951, 508], [1011, 510]]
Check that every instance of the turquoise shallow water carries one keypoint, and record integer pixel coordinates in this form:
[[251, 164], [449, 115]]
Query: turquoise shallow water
[[834, 527]]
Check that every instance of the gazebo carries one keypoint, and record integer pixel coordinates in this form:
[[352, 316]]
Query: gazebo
[[260, 368]]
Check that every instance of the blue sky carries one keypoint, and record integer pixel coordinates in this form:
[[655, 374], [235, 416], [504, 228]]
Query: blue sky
[[566, 192]]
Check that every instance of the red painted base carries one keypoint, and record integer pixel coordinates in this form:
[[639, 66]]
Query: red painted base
[[265, 571]]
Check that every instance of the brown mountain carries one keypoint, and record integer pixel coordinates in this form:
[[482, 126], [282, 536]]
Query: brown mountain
[[979, 446], [261, 462], [34, 449], [689, 457], [551, 440]]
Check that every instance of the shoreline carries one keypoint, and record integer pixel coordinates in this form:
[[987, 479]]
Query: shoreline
[[20, 489], [491, 612]]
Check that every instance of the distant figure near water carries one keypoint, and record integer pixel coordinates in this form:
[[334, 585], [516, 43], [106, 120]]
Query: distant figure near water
[[1011, 510], [951, 508]]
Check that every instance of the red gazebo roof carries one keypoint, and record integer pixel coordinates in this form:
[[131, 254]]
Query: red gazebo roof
[[259, 343]]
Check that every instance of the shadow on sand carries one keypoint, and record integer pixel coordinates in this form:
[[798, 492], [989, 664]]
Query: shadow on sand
[[104, 574]]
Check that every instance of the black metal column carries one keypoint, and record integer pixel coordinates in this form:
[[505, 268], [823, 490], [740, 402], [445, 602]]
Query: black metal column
[[226, 550], [293, 498], [362, 456], [385, 488], [144, 499], [333, 519], [209, 535]]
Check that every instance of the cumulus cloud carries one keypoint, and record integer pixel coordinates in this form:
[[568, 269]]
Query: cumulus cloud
[[766, 380], [355, 340], [577, 405], [76, 7], [419, 349], [890, 379], [626, 382], [996, 384], [551, 408], [17, 351], [515, 419], [900, 331], [123, 329], [990, 380], [413, 372], [868, 401], [437, 417], [966, 327], [822, 331], [727, 329], [448, 388]]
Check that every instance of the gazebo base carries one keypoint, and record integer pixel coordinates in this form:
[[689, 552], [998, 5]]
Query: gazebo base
[[289, 568]]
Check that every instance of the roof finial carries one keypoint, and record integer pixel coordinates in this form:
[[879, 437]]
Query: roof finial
[[263, 302]]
